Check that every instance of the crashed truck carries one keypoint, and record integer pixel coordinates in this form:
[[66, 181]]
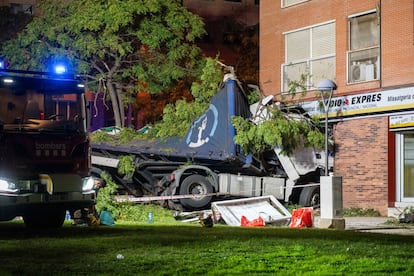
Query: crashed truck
[[206, 165]]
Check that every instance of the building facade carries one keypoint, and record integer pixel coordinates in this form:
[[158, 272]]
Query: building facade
[[367, 49]]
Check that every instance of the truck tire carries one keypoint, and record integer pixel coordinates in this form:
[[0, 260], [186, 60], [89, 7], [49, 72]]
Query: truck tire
[[310, 197], [196, 185], [46, 217]]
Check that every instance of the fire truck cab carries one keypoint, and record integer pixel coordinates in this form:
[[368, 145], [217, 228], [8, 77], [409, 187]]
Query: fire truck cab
[[44, 147]]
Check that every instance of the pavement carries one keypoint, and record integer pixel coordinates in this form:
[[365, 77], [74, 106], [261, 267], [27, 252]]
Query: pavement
[[385, 225]]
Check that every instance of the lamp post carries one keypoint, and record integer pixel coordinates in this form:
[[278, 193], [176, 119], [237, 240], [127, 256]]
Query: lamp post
[[331, 186], [326, 86]]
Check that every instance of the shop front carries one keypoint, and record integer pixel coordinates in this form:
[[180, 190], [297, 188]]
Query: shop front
[[402, 130], [374, 147]]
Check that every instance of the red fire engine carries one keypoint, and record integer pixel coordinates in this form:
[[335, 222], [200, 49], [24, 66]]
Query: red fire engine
[[44, 147]]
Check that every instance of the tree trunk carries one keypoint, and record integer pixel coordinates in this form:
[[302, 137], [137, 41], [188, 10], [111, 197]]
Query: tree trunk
[[121, 105], [129, 116], [116, 105]]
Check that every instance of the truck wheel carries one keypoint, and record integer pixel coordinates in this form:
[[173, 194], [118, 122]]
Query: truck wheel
[[44, 218], [196, 185], [310, 197]]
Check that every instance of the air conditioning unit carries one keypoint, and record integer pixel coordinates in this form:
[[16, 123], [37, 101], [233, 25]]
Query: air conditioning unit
[[362, 72], [358, 72]]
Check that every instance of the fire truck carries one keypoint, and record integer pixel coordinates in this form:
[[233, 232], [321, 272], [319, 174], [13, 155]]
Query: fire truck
[[44, 147]]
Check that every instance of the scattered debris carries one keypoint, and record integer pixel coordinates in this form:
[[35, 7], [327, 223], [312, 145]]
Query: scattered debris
[[259, 222], [190, 216], [206, 221], [254, 211], [302, 217], [266, 207], [407, 215]]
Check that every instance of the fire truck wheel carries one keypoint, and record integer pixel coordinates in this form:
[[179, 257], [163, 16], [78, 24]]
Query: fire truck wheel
[[310, 197], [196, 185], [46, 217]]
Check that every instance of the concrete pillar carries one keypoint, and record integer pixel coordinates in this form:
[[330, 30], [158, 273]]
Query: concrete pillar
[[331, 203]]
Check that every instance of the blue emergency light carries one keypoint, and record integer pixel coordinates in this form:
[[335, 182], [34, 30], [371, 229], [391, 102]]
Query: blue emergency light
[[2, 64], [60, 69]]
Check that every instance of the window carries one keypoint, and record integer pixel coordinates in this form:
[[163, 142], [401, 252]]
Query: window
[[310, 51], [364, 50], [405, 166], [287, 3]]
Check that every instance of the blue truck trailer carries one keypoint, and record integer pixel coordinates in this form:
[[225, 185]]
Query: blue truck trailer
[[206, 165]]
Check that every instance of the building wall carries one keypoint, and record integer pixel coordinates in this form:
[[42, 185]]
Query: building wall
[[275, 21], [397, 42], [362, 156]]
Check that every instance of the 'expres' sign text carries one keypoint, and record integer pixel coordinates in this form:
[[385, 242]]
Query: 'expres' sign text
[[374, 102]]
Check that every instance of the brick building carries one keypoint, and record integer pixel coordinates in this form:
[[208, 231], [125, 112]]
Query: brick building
[[367, 49]]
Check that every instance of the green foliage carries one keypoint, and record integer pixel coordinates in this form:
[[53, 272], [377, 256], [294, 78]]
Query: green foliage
[[138, 213], [126, 165], [246, 135], [280, 130], [253, 96], [177, 118], [127, 134], [210, 81], [101, 136], [105, 197], [127, 211], [360, 212], [299, 85]]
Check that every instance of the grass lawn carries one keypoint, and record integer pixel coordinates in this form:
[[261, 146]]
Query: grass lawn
[[189, 249]]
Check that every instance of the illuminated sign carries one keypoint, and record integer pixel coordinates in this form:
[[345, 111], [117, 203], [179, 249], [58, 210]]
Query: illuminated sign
[[366, 103]]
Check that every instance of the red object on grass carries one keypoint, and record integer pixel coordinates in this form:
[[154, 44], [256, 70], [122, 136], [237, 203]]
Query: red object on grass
[[302, 217], [259, 222]]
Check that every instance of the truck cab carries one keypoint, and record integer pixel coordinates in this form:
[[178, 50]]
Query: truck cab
[[44, 147]]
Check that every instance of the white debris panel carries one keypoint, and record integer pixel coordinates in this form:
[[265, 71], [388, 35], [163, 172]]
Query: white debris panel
[[267, 207]]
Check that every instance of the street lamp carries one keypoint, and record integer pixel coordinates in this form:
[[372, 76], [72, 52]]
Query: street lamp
[[326, 86]]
